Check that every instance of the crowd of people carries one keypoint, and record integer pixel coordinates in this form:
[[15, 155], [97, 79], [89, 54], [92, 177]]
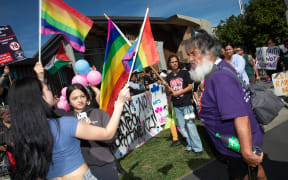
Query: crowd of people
[[45, 142]]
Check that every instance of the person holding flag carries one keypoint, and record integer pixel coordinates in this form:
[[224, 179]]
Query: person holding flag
[[181, 91]]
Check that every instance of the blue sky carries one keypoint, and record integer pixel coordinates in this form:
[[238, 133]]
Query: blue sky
[[22, 15]]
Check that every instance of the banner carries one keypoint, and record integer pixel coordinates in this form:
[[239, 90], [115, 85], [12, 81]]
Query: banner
[[267, 57], [280, 82], [159, 102], [10, 49], [137, 125]]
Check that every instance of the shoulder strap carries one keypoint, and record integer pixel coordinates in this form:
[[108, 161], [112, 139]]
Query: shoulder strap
[[235, 75]]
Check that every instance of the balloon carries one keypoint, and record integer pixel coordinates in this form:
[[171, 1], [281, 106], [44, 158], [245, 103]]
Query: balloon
[[66, 105], [80, 79], [94, 77], [63, 105], [63, 91], [82, 66], [62, 98], [60, 104]]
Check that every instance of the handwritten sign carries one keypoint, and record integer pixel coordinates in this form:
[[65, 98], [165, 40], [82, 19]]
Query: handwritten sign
[[280, 82], [10, 49], [138, 124], [267, 57], [159, 102]]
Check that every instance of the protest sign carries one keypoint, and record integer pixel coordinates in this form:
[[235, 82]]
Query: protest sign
[[159, 102], [137, 124], [280, 82], [10, 49], [267, 57]]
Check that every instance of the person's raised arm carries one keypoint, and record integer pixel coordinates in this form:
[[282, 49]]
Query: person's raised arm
[[39, 70], [89, 132], [5, 73], [97, 93]]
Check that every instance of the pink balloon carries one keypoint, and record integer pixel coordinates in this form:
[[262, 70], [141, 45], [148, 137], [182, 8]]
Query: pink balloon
[[94, 77], [63, 91], [60, 104], [66, 105], [62, 98], [63, 105], [80, 79]]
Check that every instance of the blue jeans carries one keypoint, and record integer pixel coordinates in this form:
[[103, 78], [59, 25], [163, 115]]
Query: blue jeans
[[188, 129]]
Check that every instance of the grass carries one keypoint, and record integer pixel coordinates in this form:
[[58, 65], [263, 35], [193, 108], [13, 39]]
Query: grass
[[156, 160]]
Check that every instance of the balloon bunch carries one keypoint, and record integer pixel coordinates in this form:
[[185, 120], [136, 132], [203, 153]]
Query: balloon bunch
[[86, 74], [63, 103]]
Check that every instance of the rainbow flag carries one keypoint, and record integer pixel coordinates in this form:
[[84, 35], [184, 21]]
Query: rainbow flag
[[57, 17], [113, 74], [147, 52]]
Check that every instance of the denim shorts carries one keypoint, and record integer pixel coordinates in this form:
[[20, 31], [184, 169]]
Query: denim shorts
[[88, 176]]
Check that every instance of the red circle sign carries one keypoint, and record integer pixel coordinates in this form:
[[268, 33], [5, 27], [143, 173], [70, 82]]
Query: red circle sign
[[14, 46]]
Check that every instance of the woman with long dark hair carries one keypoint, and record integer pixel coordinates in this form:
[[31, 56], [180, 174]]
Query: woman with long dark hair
[[46, 146], [97, 154]]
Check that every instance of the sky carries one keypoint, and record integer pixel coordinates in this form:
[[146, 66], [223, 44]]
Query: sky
[[22, 15]]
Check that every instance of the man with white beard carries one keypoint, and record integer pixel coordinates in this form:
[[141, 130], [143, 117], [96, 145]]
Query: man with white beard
[[225, 107]]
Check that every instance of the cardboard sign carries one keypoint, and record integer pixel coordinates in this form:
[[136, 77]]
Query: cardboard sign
[[159, 102], [280, 82], [267, 57], [10, 49], [137, 125]]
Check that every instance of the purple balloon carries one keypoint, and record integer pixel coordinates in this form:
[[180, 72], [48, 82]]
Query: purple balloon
[[79, 79], [63, 91], [94, 77]]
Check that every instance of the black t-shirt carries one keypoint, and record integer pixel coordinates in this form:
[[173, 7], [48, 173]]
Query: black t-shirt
[[178, 82]]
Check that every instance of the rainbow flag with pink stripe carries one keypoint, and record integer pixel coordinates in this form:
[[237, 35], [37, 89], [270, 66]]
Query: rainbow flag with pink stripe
[[113, 73], [57, 17], [147, 53]]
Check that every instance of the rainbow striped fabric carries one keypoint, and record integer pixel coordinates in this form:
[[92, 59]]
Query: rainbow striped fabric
[[57, 17], [113, 74], [147, 53]]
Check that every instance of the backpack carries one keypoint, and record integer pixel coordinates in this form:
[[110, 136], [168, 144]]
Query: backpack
[[265, 104]]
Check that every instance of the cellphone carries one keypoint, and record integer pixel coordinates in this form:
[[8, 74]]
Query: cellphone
[[82, 116]]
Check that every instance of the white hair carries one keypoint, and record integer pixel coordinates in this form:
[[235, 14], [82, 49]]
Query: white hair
[[200, 71]]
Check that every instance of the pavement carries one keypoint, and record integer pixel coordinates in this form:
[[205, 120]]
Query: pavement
[[275, 148]]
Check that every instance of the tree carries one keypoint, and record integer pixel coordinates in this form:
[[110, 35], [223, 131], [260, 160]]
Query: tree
[[262, 19]]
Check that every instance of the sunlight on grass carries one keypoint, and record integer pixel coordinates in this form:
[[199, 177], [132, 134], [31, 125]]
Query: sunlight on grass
[[156, 160]]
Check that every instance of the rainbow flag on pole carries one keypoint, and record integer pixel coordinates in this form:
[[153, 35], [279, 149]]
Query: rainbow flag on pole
[[57, 17], [113, 74], [147, 52]]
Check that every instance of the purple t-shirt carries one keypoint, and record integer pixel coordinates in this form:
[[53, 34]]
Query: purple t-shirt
[[224, 99]]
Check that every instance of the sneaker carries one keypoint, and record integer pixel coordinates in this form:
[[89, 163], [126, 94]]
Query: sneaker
[[198, 153], [175, 143], [188, 151]]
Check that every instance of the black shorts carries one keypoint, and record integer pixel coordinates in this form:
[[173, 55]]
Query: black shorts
[[237, 168]]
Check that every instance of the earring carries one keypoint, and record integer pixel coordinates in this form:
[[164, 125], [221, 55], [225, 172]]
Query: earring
[[88, 103]]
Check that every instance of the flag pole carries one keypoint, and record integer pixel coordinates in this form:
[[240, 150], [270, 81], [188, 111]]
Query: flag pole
[[157, 74], [137, 45], [128, 42], [39, 35]]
